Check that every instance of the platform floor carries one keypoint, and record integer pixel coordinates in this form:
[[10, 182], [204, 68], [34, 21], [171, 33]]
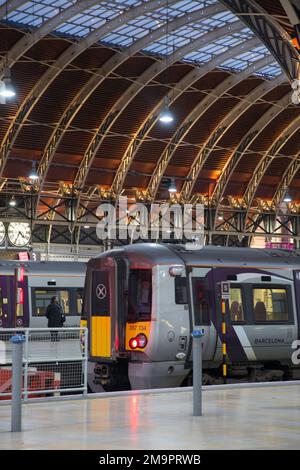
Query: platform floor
[[249, 418]]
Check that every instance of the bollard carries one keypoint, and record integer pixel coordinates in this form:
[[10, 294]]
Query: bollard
[[17, 366], [197, 372]]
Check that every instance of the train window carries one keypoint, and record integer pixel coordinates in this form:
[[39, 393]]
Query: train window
[[139, 295], [181, 291], [79, 301], [270, 305], [201, 309], [42, 298], [236, 305]]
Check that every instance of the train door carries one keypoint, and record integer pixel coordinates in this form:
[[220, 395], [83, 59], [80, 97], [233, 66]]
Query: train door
[[6, 299], [107, 308], [203, 309]]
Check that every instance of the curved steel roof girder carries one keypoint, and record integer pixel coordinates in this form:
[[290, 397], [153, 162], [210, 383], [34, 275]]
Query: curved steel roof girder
[[243, 146], [267, 159], [199, 111], [274, 37], [217, 134], [60, 64], [285, 181], [27, 41], [146, 126], [149, 74], [95, 81]]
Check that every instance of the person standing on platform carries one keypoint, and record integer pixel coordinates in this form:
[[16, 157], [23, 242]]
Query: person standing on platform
[[55, 317]]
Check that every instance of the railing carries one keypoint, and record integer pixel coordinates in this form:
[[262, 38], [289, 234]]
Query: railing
[[55, 361]]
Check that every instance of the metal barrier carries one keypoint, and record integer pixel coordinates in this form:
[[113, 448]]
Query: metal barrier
[[55, 361]]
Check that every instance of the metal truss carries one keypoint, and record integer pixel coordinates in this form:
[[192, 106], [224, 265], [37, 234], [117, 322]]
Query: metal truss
[[262, 221], [244, 145], [198, 111], [151, 120], [146, 77], [27, 41], [103, 72], [267, 159], [59, 65], [58, 222], [274, 37], [285, 181], [218, 133]]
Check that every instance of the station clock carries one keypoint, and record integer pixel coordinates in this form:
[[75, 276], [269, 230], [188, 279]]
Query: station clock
[[2, 232], [19, 233]]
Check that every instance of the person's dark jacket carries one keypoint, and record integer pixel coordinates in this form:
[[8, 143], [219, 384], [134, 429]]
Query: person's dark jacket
[[55, 316]]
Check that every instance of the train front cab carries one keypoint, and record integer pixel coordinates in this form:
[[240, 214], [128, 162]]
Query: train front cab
[[118, 326]]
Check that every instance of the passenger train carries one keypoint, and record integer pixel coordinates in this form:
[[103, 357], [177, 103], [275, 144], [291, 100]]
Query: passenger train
[[26, 288], [142, 301]]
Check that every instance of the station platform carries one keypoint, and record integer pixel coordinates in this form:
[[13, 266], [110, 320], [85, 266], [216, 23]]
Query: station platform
[[249, 417]]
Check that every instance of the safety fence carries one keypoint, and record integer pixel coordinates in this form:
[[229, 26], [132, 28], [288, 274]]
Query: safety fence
[[55, 362]]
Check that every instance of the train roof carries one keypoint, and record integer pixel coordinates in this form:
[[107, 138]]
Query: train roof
[[166, 253], [77, 267]]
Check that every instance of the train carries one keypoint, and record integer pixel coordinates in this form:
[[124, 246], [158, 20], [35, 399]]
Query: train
[[26, 288], [142, 302]]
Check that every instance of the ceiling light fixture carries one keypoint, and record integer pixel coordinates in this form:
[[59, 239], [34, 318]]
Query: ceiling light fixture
[[13, 202], [166, 117], [172, 187], [287, 198], [6, 87], [33, 174]]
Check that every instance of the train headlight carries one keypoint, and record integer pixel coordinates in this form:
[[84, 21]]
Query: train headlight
[[176, 270], [140, 341], [133, 344]]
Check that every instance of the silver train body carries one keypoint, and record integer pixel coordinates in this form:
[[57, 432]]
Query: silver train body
[[26, 288], [143, 301]]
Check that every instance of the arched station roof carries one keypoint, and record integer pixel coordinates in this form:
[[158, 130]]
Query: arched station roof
[[92, 78]]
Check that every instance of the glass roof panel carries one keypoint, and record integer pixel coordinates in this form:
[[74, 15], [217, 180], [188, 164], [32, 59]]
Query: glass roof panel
[[186, 33], [214, 48], [145, 24], [270, 71], [35, 13], [244, 60]]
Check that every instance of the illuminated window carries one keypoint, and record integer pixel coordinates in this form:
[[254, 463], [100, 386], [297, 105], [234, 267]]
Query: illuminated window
[[42, 298], [270, 305], [79, 301], [236, 305]]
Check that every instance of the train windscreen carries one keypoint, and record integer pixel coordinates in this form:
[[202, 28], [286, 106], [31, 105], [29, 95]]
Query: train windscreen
[[139, 295]]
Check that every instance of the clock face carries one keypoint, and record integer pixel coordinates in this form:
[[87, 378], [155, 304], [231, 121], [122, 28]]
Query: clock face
[[19, 233], [2, 232]]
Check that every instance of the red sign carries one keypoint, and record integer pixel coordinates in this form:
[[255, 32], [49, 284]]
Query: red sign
[[23, 256]]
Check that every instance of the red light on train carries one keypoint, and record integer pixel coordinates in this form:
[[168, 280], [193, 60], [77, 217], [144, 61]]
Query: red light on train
[[140, 341], [133, 344]]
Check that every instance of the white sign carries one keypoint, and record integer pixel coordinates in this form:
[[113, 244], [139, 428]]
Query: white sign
[[101, 291], [225, 290]]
